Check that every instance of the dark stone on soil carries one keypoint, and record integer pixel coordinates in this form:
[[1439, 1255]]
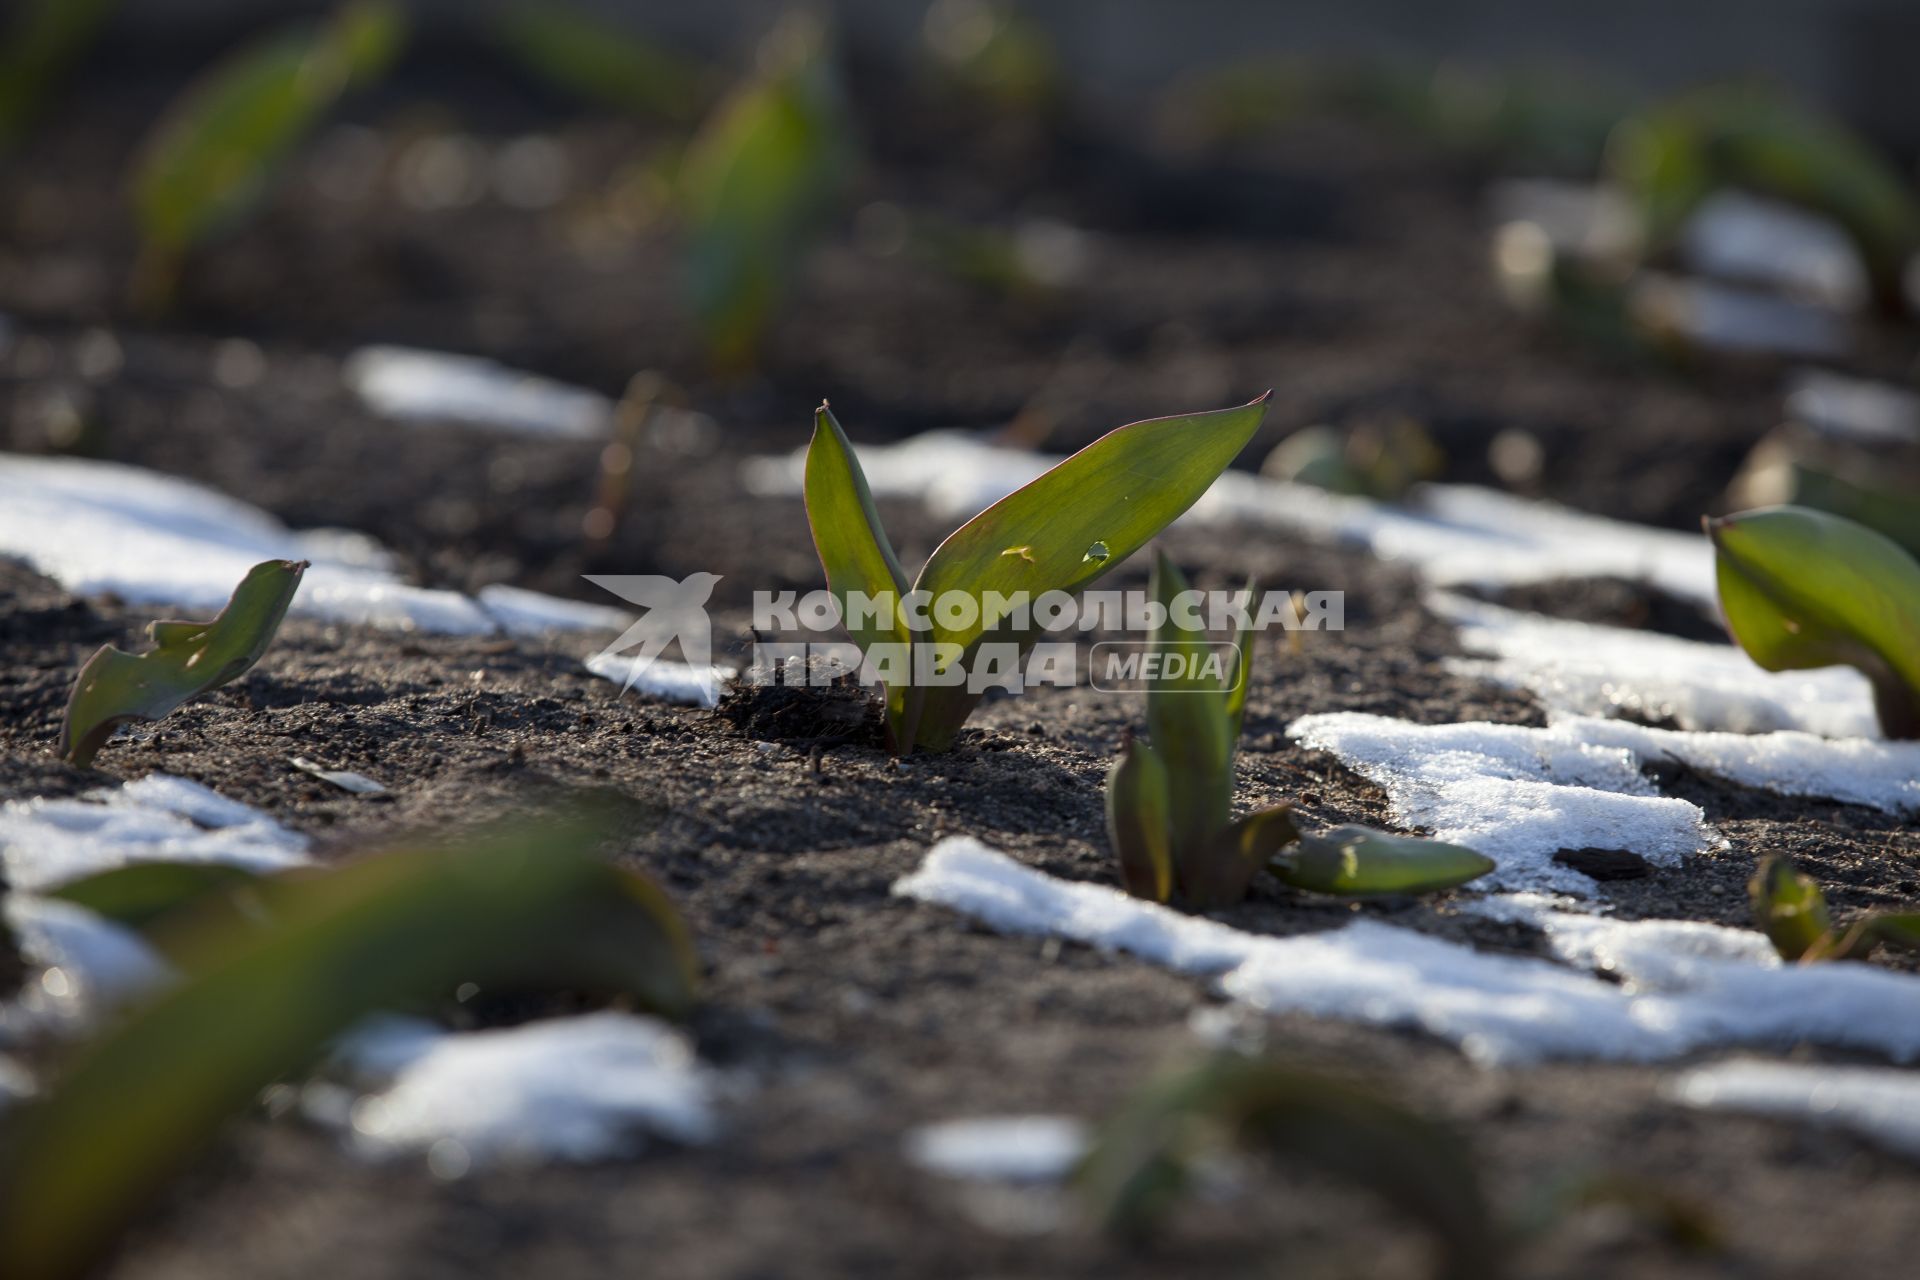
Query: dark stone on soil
[[1605, 864]]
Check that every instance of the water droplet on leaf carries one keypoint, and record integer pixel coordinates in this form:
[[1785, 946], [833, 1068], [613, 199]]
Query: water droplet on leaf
[[1097, 553]]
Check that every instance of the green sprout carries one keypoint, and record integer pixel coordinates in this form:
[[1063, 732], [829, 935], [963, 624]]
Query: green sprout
[[1790, 909], [272, 968], [44, 39], [1802, 588], [600, 61], [190, 658], [1674, 156], [765, 170], [1170, 801], [211, 157], [1062, 532], [1143, 1159]]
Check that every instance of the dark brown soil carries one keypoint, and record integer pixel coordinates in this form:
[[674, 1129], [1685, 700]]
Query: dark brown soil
[[1347, 272]]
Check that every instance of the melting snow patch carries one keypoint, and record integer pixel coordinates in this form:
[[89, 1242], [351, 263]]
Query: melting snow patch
[[580, 1089], [1586, 669], [1743, 237], [530, 613], [1517, 794], [1740, 321], [663, 678], [1457, 535], [1878, 1103], [100, 528], [81, 963], [402, 382], [1679, 986], [1000, 1148], [47, 842], [1871, 413]]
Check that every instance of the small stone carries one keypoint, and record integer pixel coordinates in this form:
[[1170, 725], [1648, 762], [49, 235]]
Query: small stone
[[1605, 864]]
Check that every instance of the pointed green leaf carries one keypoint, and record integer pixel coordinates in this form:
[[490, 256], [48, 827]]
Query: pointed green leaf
[[213, 152], [1115, 494], [1143, 1158], [1187, 719], [863, 574], [758, 179], [192, 658], [261, 993], [1789, 908], [1219, 875], [140, 893], [1139, 821], [1801, 588], [1353, 861]]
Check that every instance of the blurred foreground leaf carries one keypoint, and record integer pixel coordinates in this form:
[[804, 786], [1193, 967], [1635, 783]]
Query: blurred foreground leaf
[[284, 964], [191, 658], [765, 170], [1354, 861], [213, 153], [600, 61], [1802, 589], [140, 893], [42, 40], [1143, 1159]]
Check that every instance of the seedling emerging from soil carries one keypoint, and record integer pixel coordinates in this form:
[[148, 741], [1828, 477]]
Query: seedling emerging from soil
[[1790, 909], [212, 155], [273, 967], [1143, 1159], [190, 658], [757, 181], [1170, 802], [1062, 532], [1674, 156], [1800, 588]]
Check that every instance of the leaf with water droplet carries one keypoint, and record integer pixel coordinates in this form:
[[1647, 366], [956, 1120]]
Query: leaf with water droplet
[[1097, 554]]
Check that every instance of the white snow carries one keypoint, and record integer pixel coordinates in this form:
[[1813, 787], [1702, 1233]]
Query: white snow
[[1747, 238], [531, 613], [411, 384], [1515, 793], [81, 961], [1453, 535], [1586, 669], [578, 1088], [1031, 1149], [1518, 794], [1736, 320], [1880, 1104], [663, 677], [47, 842], [1677, 986], [1854, 409], [101, 528]]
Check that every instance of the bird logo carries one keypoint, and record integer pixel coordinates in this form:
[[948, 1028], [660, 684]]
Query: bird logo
[[675, 611]]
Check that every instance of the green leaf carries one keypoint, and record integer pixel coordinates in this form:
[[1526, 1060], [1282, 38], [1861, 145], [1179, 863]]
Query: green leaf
[[139, 894], [1802, 588], [44, 38], [857, 557], [601, 61], [1140, 821], [758, 179], [1188, 721], [1143, 1158], [1218, 875], [1242, 669], [213, 153], [1353, 861], [191, 659], [1789, 908], [262, 991]]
